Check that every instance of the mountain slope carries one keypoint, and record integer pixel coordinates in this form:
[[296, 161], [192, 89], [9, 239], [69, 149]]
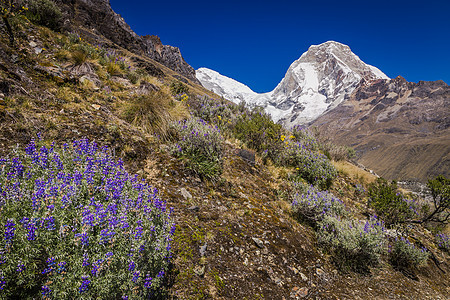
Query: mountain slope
[[400, 129], [319, 80]]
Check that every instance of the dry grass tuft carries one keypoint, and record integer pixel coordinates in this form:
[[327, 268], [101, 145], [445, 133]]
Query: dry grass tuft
[[153, 112], [79, 57]]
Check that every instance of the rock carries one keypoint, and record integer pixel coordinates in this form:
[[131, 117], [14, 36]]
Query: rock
[[258, 242], [194, 208], [185, 194], [96, 106], [303, 276], [320, 272], [299, 292], [247, 155], [203, 249], [32, 44]]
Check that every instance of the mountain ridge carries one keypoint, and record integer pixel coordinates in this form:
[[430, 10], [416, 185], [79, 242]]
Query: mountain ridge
[[99, 16]]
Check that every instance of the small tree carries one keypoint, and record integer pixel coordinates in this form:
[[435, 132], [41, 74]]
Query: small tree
[[440, 191], [389, 203]]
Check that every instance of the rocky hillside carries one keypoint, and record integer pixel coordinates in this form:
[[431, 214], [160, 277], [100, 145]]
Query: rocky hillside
[[234, 178], [398, 128], [98, 16]]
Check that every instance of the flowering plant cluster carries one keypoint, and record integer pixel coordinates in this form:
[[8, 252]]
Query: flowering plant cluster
[[443, 241], [313, 205], [354, 244], [75, 224], [201, 145], [183, 97], [221, 114], [404, 254], [310, 165], [306, 137]]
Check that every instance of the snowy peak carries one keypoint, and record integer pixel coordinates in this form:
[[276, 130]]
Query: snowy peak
[[224, 86], [318, 81]]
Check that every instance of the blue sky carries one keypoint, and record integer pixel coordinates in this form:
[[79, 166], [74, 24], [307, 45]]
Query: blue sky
[[254, 42]]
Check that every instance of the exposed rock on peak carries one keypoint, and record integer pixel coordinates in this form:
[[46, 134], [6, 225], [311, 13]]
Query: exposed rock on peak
[[98, 15]]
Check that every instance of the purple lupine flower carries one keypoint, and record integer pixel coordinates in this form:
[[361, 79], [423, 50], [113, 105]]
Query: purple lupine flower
[[135, 276], [84, 284], [61, 267], [148, 281], [20, 267], [9, 231], [45, 290], [131, 266]]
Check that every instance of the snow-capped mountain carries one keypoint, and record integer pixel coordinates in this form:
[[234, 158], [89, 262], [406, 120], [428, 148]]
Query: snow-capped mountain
[[318, 81], [224, 86]]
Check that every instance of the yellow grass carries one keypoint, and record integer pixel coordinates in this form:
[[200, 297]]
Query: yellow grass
[[351, 170]]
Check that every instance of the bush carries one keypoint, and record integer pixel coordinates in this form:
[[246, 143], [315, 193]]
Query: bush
[[257, 130], [75, 224], [312, 166], [45, 13], [443, 241], [313, 205], [177, 87], [200, 145], [305, 137], [354, 244], [213, 111], [404, 255], [389, 203]]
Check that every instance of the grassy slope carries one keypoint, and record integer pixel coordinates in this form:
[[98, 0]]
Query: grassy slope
[[250, 201]]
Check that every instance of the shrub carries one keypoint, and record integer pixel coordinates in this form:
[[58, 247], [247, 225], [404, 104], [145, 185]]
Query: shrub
[[312, 166], [305, 137], [389, 203], [443, 241], [257, 130], [177, 87], [45, 13], [313, 205], [201, 145], [216, 112], [405, 255], [75, 224], [354, 244]]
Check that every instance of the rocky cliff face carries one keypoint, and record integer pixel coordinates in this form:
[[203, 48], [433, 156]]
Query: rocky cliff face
[[318, 81], [98, 15], [400, 129]]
